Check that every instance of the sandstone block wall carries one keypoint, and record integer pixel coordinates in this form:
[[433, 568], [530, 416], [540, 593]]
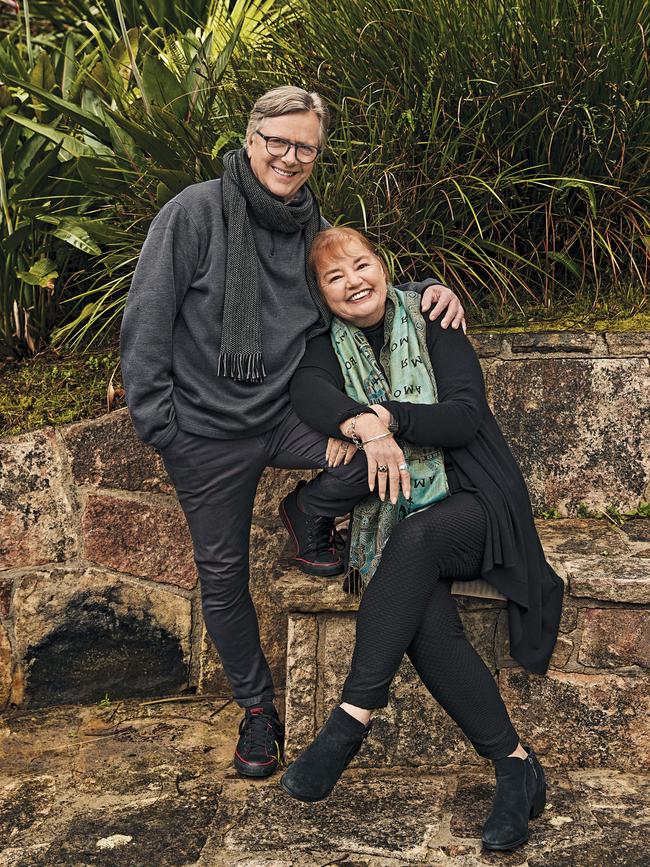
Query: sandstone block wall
[[592, 707], [98, 590]]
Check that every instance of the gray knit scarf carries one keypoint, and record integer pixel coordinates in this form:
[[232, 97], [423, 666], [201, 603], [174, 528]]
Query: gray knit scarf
[[240, 355]]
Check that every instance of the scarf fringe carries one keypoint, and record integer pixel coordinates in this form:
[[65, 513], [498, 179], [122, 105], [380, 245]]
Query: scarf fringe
[[241, 366]]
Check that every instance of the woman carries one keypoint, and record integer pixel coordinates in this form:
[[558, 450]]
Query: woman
[[451, 504]]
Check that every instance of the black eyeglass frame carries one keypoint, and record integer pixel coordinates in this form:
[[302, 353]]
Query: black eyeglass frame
[[289, 144]]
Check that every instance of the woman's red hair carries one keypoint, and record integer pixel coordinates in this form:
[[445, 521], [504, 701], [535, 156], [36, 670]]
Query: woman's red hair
[[336, 238]]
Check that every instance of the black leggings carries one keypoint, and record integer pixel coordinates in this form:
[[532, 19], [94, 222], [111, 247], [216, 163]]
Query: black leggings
[[408, 608]]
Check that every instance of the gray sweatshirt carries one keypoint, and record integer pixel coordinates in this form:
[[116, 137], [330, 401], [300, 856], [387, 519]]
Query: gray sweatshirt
[[171, 330]]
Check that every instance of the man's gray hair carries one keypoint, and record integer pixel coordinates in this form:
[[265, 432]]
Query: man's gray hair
[[284, 100]]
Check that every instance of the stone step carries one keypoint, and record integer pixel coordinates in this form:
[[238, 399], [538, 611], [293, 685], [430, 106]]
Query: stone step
[[384, 819], [151, 784], [590, 708]]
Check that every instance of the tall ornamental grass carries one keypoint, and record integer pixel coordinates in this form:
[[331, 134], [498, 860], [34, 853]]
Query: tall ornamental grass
[[504, 146]]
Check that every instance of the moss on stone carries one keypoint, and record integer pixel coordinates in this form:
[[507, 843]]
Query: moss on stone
[[60, 388], [57, 388], [571, 322]]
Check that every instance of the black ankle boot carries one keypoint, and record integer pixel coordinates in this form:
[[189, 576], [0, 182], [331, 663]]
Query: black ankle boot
[[316, 771], [520, 796]]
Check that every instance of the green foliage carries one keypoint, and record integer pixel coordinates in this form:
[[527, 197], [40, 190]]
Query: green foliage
[[129, 116], [504, 147], [549, 513], [613, 513], [56, 389], [38, 248]]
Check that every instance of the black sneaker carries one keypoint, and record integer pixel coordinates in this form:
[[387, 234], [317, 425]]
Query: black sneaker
[[313, 536], [260, 746]]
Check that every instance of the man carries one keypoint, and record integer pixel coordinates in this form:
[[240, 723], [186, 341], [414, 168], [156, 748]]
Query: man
[[216, 321]]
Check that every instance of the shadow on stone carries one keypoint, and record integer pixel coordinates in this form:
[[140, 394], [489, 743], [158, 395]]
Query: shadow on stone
[[95, 652], [168, 833]]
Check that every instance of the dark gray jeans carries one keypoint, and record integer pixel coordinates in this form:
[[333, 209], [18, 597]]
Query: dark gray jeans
[[215, 482]]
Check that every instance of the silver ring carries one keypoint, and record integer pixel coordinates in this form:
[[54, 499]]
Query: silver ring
[[382, 469], [403, 467]]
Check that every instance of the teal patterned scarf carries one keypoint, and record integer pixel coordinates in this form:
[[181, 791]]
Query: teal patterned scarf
[[405, 358]]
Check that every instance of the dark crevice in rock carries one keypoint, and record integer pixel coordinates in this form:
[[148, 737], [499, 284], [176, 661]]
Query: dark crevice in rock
[[96, 652]]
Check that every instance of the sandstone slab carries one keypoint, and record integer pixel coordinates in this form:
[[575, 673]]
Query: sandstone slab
[[625, 343], [5, 595], [6, 667], [569, 618], [38, 744], [144, 539], [570, 537], [106, 453], [133, 751], [301, 683], [562, 652], [638, 530], [84, 785], [167, 831], [580, 720], [610, 580], [616, 807], [24, 806], [413, 729], [560, 822], [552, 341], [37, 521], [613, 638], [83, 634], [579, 428], [360, 816], [486, 345], [295, 591], [272, 488]]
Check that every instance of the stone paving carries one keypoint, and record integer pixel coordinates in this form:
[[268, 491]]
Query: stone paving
[[149, 784]]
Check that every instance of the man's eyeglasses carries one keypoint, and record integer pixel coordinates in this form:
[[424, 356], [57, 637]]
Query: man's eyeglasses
[[279, 147]]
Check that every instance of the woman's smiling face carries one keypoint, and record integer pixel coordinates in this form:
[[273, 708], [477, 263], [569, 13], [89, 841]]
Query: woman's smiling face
[[283, 176], [353, 283]]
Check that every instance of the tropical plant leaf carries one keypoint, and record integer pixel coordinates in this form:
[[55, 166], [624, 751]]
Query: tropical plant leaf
[[42, 273], [162, 86], [33, 179], [148, 142], [70, 145], [75, 114], [43, 77], [69, 67], [72, 232]]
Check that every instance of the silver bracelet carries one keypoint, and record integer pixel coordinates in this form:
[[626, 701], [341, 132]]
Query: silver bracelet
[[352, 431], [378, 437]]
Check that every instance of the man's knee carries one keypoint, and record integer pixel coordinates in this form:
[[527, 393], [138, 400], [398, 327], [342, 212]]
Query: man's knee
[[223, 588]]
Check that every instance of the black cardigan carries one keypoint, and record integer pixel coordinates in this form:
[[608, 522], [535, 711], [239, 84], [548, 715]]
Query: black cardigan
[[462, 424]]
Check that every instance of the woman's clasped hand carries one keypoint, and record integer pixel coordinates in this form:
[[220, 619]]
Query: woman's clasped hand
[[387, 465]]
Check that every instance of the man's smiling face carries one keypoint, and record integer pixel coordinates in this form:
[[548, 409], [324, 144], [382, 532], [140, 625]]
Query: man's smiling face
[[283, 176]]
